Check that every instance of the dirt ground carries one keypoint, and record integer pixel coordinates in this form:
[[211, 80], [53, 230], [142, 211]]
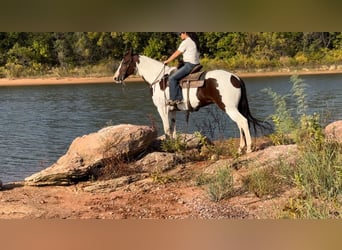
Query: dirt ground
[[174, 195], [143, 199]]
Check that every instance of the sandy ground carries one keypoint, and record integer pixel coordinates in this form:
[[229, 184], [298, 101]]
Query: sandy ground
[[174, 195], [109, 79]]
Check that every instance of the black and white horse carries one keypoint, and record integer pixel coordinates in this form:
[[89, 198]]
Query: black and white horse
[[221, 87]]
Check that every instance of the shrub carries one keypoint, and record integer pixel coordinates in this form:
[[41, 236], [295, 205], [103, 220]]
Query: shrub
[[221, 186], [294, 125], [177, 144], [301, 58], [319, 169], [309, 209], [283, 121], [268, 180]]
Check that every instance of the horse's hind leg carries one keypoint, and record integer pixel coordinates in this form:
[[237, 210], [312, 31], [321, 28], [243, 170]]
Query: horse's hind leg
[[242, 123]]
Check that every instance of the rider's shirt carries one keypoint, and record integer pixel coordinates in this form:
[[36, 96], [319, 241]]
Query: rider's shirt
[[189, 50]]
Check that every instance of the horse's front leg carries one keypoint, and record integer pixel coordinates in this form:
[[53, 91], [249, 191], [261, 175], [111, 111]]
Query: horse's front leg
[[169, 122]]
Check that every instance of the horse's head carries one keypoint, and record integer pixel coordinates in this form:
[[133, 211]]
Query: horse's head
[[127, 67]]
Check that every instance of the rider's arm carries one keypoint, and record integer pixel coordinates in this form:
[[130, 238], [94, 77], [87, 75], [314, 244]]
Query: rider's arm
[[173, 56]]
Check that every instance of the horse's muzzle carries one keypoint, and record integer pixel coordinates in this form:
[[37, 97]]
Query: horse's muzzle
[[117, 79]]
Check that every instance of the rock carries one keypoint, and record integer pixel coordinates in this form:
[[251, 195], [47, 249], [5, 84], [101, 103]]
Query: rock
[[112, 185], [334, 131], [88, 153], [190, 140], [157, 162]]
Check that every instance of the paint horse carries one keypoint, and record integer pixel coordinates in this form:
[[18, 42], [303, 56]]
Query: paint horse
[[219, 87]]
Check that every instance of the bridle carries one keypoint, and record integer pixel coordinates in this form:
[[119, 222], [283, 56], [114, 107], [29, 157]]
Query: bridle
[[126, 65]]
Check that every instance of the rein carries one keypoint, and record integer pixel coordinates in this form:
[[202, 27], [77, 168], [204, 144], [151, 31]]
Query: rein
[[156, 79]]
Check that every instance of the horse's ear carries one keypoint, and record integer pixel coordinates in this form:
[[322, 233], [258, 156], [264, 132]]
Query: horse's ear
[[130, 51]]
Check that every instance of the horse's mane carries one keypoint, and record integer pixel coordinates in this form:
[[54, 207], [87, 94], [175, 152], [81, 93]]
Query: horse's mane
[[151, 60], [155, 64]]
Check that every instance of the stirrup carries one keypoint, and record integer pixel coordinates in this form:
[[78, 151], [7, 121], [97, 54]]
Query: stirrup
[[174, 102]]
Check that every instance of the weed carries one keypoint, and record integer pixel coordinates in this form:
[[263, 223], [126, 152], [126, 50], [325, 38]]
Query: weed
[[309, 208], [283, 121], [221, 186], [177, 144], [319, 169], [290, 124], [309, 130], [157, 177], [203, 179], [263, 181], [270, 180]]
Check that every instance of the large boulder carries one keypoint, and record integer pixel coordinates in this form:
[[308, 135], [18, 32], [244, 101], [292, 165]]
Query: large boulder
[[89, 152], [334, 131]]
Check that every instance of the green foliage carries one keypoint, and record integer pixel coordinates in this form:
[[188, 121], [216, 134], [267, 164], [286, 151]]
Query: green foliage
[[174, 144], [203, 179], [317, 174], [221, 185], [294, 125], [154, 48], [162, 179], [268, 180], [309, 130], [283, 121], [261, 182], [311, 209], [35, 53], [319, 169]]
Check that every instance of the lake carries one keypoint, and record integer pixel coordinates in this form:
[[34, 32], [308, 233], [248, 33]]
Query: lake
[[38, 123]]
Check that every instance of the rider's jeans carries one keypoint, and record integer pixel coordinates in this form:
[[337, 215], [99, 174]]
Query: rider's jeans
[[175, 89]]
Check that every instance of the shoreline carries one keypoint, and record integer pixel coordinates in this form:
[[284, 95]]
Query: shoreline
[[108, 79]]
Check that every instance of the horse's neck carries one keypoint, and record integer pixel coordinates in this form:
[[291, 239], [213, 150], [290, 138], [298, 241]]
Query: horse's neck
[[151, 70]]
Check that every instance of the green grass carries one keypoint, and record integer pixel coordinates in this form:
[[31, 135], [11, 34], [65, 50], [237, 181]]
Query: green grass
[[221, 185]]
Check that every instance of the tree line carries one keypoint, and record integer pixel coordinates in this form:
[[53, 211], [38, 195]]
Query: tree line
[[30, 53]]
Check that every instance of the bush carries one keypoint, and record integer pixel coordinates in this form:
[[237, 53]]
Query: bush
[[294, 125], [268, 180], [319, 169], [177, 144], [221, 186], [310, 209]]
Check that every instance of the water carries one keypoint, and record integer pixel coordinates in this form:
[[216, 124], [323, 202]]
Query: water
[[38, 123]]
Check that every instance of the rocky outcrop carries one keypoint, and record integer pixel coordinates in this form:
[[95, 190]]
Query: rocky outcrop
[[89, 152], [334, 131]]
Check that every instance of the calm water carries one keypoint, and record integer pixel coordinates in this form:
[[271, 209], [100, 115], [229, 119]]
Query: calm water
[[38, 123]]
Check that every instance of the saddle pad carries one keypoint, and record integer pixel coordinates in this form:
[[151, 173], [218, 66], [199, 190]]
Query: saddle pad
[[194, 80], [191, 83]]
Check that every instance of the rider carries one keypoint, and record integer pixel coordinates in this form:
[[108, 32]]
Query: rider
[[190, 49]]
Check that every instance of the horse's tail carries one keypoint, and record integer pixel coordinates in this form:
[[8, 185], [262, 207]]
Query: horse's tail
[[243, 108]]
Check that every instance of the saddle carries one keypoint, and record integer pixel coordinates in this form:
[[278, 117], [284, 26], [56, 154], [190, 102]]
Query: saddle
[[194, 79]]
